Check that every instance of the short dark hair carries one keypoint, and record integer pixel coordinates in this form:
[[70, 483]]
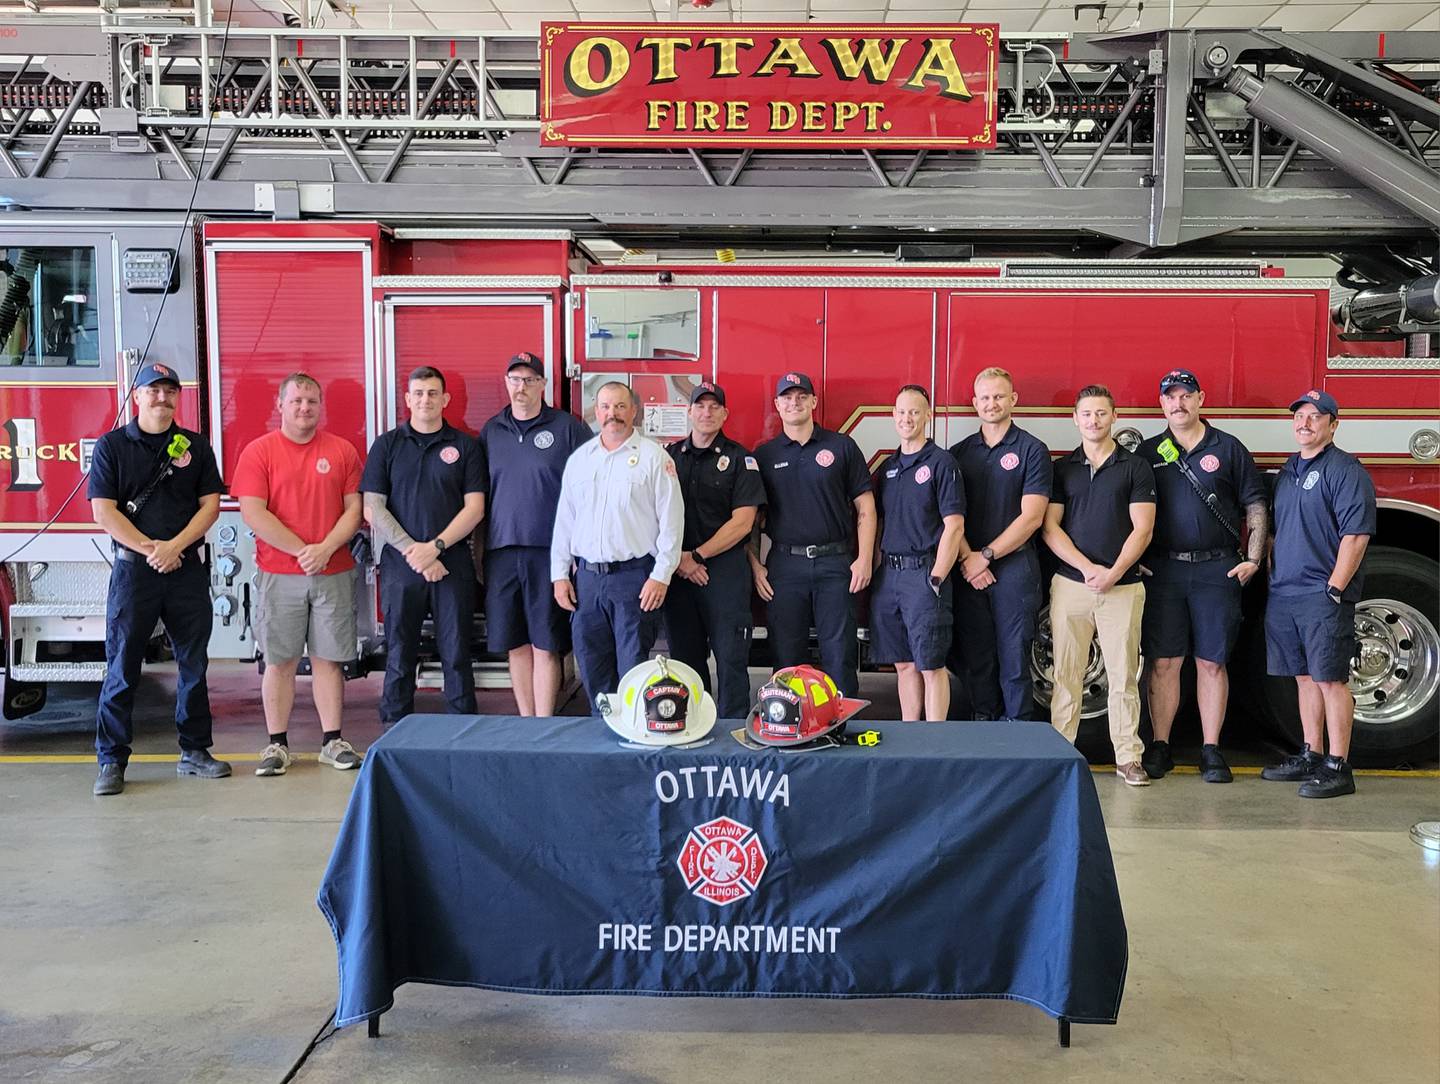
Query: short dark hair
[[917, 389], [1095, 391], [426, 372], [634, 399]]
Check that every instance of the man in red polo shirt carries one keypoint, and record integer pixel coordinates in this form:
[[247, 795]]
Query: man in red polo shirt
[[299, 490]]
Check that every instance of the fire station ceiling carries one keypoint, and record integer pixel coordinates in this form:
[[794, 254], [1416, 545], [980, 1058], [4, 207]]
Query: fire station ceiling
[[1012, 15]]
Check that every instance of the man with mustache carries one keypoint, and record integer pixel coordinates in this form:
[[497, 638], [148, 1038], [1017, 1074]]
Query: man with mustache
[[1204, 481], [619, 522], [1100, 519], [154, 489], [1324, 518]]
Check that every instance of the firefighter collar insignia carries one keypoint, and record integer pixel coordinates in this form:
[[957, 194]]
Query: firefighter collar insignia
[[723, 463], [544, 439]]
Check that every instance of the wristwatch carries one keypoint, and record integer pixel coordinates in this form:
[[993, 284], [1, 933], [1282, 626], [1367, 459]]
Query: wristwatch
[[439, 544], [987, 553], [695, 556], [1336, 594]]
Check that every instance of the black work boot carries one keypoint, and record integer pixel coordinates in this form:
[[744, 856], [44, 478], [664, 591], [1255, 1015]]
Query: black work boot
[[1213, 768], [1332, 780], [1295, 768], [110, 780], [200, 762], [1156, 760]]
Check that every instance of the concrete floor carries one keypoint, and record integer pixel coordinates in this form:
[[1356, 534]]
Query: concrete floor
[[171, 935]]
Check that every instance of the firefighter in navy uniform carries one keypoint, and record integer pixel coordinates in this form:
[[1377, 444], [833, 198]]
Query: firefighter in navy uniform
[[155, 490], [1008, 479], [708, 605], [526, 447], [922, 514], [1324, 519], [424, 491], [819, 510], [1205, 485]]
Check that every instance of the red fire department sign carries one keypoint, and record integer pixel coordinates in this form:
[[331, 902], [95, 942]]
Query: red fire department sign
[[768, 85]]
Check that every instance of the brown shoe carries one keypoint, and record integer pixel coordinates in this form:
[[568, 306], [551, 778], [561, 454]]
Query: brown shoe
[[1133, 774]]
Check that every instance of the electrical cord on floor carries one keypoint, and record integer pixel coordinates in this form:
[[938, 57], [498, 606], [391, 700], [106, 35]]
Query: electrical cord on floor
[[315, 1040]]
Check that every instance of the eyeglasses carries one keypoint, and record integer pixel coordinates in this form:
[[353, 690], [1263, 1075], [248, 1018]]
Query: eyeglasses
[[524, 381]]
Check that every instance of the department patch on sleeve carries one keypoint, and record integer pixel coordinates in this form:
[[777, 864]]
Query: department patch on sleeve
[[669, 466], [750, 463]]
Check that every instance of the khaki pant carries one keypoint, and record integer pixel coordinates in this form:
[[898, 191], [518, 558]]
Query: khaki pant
[[1077, 616]]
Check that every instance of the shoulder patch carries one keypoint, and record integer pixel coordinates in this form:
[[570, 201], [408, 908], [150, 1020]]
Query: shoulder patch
[[669, 466]]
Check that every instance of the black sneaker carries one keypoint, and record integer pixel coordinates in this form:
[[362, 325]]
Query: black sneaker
[[1156, 760], [1295, 768], [1333, 779], [1213, 768], [200, 762], [111, 780]]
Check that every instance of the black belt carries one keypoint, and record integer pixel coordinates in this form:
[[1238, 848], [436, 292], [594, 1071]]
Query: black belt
[[908, 560], [123, 554], [1196, 556], [604, 568], [827, 549]]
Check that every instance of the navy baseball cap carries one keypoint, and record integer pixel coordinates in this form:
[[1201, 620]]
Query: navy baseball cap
[[1322, 401], [526, 360], [155, 373], [706, 388], [1179, 378], [793, 380]]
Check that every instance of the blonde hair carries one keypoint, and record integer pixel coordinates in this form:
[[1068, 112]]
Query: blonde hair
[[994, 373]]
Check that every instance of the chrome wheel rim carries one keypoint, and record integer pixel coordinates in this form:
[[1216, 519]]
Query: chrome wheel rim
[[1095, 687], [1396, 668]]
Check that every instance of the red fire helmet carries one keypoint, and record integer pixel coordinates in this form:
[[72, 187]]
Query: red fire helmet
[[797, 705]]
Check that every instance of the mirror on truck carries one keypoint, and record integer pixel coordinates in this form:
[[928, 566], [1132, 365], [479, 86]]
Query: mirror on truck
[[631, 323]]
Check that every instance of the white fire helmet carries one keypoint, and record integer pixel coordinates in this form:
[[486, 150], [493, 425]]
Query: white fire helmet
[[659, 702]]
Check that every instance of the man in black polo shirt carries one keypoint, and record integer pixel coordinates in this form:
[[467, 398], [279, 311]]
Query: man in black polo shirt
[[155, 490], [1206, 485], [922, 514], [1100, 519], [708, 606], [526, 446], [424, 487], [1008, 479], [818, 506], [1324, 518]]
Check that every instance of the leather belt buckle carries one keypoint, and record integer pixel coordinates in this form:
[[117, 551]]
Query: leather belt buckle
[[812, 552]]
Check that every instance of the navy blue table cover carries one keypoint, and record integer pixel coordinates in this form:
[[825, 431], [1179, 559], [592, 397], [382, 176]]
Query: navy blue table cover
[[959, 860]]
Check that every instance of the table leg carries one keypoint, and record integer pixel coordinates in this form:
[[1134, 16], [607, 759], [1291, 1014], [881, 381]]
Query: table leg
[[1064, 1031], [372, 1029]]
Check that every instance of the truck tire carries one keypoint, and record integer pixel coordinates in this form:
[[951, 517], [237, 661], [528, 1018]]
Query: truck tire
[[1395, 675]]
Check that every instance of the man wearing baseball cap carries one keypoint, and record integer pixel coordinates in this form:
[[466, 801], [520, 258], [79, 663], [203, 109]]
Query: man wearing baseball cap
[[820, 516], [526, 446], [708, 606], [154, 489], [1207, 491], [1324, 517]]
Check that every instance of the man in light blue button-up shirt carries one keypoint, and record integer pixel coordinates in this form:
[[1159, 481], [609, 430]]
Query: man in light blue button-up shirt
[[619, 523]]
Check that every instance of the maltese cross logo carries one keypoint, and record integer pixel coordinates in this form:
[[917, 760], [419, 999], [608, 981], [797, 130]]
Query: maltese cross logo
[[722, 861]]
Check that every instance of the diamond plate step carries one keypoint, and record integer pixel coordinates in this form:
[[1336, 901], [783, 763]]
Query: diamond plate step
[[59, 671], [58, 609]]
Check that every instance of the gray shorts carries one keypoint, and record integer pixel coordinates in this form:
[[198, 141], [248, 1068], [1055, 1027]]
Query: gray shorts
[[295, 611]]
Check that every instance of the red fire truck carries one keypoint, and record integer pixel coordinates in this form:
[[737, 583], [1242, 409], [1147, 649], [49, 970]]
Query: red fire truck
[[236, 305]]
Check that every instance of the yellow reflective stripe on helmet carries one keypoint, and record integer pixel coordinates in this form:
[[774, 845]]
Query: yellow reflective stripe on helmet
[[818, 695]]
